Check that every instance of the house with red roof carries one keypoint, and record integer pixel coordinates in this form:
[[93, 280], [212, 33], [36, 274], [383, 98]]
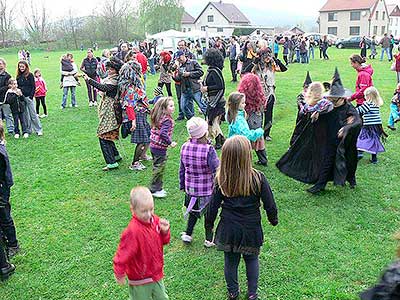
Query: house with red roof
[[346, 18], [394, 15]]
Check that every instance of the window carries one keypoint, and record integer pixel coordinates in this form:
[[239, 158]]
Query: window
[[332, 17], [375, 30], [377, 15], [258, 32], [383, 30], [210, 18], [332, 30], [354, 30], [391, 21], [397, 21], [203, 28], [189, 29], [355, 15], [183, 29], [383, 16], [220, 29]]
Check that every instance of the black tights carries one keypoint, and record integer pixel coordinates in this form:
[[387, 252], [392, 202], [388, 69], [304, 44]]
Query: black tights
[[140, 150], [168, 86], [231, 273], [43, 101], [207, 226]]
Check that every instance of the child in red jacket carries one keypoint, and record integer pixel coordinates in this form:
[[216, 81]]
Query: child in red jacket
[[140, 252], [40, 93]]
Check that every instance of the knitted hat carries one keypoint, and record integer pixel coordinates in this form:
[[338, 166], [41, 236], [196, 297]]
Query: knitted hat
[[158, 91], [197, 127]]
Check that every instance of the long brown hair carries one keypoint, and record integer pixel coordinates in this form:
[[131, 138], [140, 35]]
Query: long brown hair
[[159, 111], [355, 58], [236, 176], [234, 100], [26, 72]]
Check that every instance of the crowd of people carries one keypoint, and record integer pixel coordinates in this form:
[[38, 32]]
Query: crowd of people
[[330, 137]]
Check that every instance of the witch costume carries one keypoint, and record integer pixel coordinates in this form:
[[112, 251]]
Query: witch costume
[[317, 154]]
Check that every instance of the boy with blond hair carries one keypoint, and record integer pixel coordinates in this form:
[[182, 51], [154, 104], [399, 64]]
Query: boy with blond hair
[[140, 255]]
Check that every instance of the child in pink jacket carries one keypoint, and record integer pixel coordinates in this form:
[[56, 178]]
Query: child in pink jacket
[[40, 92]]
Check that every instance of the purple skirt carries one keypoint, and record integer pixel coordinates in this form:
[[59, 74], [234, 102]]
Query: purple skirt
[[369, 139]]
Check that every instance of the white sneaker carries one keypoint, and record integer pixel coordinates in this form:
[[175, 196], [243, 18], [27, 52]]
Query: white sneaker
[[43, 116], [16, 136], [71, 105], [186, 238], [160, 194], [40, 133], [137, 166], [95, 103], [90, 104], [26, 135], [208, 244]]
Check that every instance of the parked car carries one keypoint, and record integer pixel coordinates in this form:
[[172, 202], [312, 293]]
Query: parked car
[[352, 42], [318, 36]]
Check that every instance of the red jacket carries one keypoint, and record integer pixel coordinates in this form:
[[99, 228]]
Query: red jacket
[[140, 252], [364, 80], [142, 59], [40, 87]]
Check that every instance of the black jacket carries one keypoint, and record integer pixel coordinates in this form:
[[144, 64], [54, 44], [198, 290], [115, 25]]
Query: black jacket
[[191, 82], [89, 66], [4, 77], [27, 85], [17, 103]]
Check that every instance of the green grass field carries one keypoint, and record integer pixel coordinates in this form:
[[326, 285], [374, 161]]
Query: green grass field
[[69, 213]]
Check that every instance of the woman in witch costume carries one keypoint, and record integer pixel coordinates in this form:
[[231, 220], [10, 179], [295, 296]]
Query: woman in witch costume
[[326, 150], [110, 118]]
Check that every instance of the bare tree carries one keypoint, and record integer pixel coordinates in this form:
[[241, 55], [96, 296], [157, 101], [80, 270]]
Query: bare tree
[[36, 20], [7, 18], [115, 18]]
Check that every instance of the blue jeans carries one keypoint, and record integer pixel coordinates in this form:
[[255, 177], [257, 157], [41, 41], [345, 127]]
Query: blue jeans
[[65, 95], [304, 58], [297, 56], [387, 53], [394, 114], [311, 53], [187, 98], [151, 64]]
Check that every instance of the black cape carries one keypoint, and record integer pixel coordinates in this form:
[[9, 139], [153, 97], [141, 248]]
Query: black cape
[[311, 141]]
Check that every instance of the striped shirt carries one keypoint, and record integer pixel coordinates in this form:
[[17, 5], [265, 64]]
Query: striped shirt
[[370, 114]]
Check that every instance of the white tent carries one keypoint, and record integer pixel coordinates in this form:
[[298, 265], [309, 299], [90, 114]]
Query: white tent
[[167, 34], [167, 40]]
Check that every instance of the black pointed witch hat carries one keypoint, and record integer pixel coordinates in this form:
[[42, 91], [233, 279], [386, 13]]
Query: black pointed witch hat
[[308, 80], [337, 89]]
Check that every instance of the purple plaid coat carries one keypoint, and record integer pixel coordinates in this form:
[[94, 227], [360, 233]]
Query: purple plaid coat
[[199, 163]]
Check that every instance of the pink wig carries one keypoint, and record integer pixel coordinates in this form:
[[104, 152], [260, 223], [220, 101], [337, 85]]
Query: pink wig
[[250, 85]]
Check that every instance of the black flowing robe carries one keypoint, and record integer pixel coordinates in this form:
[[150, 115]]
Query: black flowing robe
[[312, 141]]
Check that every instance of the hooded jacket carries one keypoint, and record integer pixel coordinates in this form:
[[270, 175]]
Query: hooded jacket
[[364, 80]]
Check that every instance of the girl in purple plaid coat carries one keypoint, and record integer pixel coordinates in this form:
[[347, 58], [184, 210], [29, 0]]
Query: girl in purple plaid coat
[[199, 162]]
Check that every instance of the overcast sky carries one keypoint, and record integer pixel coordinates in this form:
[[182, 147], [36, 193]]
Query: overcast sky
[[253, 9]]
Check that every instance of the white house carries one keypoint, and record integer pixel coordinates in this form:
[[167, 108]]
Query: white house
[[394, 15], [345, 18], [217, 18], [187, 23]]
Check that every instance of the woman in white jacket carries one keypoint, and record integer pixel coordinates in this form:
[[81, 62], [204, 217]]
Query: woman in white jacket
[[69, 82]]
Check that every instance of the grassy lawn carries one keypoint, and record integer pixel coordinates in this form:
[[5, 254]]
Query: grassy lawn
[[69, 214]]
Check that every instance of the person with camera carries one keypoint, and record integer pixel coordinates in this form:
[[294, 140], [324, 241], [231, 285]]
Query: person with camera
[[188, 73]]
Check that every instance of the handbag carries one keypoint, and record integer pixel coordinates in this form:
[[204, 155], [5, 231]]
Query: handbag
[[393, 66]]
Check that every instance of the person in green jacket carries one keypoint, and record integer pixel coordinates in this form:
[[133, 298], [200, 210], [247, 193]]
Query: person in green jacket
[[236, 118]]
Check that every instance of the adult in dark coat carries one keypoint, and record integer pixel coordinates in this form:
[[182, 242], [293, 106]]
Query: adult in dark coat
[[325, 150], [5, 108]]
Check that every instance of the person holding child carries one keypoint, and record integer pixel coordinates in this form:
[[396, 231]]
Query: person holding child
[[15, 100], [162, 127], [26, 83], [372, 131], [69, 79], [139, 256], [110, 118], [239, 231], [199, 162], [40, 92], [250, 86]]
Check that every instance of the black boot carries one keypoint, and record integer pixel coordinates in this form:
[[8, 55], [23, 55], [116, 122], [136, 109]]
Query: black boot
[[352, 182], [7, 271], [316, 189], [262, 157]]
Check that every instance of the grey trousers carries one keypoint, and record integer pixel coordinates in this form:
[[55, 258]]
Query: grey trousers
[[31, 118], [6, 111]]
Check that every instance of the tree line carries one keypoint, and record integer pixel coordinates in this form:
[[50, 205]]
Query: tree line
[[30, 21]]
